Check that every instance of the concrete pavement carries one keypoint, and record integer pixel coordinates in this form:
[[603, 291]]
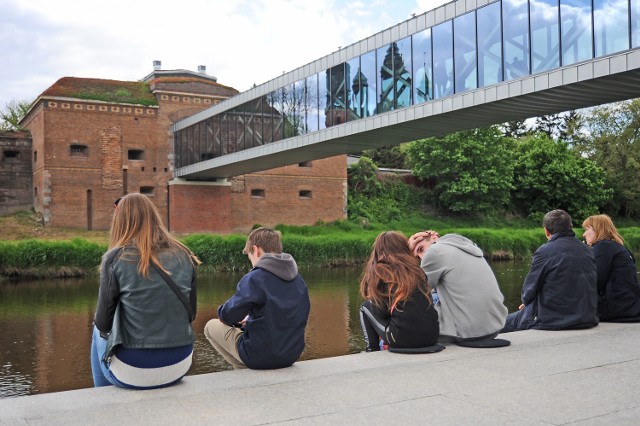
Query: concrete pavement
[[583, 377]]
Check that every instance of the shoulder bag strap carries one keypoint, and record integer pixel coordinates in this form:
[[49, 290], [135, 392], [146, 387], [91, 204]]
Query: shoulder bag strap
[[175, 289]]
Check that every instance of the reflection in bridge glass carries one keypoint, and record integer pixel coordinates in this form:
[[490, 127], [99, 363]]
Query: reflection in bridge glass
[[465, 53], [577, 42], [489, 45], [422, 67], [545, 35], [501, 41], [635, 23]]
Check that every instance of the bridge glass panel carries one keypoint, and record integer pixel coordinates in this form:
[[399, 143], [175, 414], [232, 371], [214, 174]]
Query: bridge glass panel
[[402, 73], [465, 52], [354, 92], [338, 83], [193, 154], [200, 143], [240, 125], [273, 101], [267, 120], [368, 82], [323, 96], [515, 38], [178, 146], [258, 121], [205, 140], [443, 59], [422, 67], [489, 45], [576, 31], [635, 23], [384, 64], [224, 133], [610, 26], [311, 102], [288, 111], [545, 35], [301, 110], [181, 155], [213, 135]]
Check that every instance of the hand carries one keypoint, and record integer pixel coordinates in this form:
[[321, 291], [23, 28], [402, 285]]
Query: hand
[[521, 306], [421, 241]]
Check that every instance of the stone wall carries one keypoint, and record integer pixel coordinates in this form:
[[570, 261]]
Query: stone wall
[[15, 172]]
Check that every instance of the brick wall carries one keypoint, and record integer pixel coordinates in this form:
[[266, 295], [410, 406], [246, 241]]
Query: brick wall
[[199, 208], [15, 172], [291, 195]]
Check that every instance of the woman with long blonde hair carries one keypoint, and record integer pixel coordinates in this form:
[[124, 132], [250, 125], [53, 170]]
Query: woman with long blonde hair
[[618, 286], [397, 307], [147, 299]]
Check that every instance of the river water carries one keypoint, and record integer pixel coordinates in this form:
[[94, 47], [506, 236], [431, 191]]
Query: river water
[[45, 326]]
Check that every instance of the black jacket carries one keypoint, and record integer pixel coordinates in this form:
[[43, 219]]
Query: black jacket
[[411, 324], [618, 287], [559, 291]]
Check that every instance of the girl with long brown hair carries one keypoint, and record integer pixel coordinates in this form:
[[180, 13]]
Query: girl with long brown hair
[[147, 299], [618, 286], [397, 307]]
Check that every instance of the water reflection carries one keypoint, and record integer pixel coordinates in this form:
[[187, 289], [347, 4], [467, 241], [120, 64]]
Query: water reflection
[[46, 325]]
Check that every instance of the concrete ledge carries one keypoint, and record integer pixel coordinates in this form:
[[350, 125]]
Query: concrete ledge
[[544, 377]]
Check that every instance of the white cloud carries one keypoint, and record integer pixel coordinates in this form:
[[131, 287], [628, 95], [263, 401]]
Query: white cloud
[[241, 42]]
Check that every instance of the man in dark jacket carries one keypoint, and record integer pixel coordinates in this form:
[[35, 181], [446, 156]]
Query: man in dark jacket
[[262, 325], [560, 290]]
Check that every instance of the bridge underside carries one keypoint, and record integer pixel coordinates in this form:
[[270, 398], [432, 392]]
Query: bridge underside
[[561, 90]]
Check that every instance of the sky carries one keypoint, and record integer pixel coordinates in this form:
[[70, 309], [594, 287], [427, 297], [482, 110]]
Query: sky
[[241, 42]]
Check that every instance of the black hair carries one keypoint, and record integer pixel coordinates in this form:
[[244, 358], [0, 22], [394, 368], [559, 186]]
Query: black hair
[[557, 221]]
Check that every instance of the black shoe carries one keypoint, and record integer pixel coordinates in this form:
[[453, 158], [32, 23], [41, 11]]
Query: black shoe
[[374, 349]]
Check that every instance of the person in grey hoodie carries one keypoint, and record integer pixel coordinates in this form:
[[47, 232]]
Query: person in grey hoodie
[[262, 325], [469, 302]]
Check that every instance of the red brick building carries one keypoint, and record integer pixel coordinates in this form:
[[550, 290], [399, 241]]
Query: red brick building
[[94, 140]]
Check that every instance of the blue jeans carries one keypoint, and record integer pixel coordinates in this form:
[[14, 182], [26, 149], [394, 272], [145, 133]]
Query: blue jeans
[[101, 374], [512, 322]]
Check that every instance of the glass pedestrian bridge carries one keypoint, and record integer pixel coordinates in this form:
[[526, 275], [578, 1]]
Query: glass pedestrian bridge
[[466, 64]]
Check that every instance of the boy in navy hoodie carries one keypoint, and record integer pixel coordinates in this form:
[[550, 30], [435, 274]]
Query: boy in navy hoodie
[[262, 325]]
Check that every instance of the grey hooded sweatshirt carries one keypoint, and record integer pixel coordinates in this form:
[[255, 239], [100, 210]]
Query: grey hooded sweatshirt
[[471, 304]]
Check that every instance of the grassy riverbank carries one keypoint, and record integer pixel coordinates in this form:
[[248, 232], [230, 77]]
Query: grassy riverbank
[[28, 249]]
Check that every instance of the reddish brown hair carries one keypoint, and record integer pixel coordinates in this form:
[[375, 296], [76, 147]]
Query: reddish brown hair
[[392, 273]]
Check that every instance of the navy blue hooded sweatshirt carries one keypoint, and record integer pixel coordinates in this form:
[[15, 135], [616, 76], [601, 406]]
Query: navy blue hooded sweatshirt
[[276, 300]]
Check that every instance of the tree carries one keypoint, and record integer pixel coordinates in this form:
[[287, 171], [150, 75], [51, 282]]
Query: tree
[[551, 125], [363, 178], [473, 170], [390, 156], [572, 124], [514, 129], [14, 112], [549, 175], [614, 144]]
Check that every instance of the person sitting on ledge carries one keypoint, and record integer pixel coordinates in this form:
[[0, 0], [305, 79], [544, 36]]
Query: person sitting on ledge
[[559, 292], [262, 325], [465, 291], [397, 306], [618, 287], [142, 336]]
